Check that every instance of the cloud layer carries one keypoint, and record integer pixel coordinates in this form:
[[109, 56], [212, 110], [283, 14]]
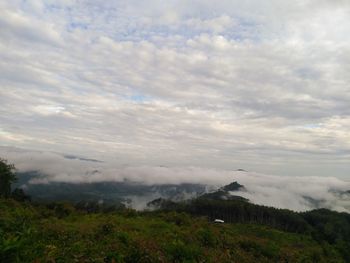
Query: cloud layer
[[299, 193], [262, 86]]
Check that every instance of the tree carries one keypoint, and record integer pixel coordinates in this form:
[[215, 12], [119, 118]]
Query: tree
[[7, 177], [19, 195]]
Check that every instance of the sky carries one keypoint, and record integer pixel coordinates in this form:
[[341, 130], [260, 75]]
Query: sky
[[258, 85]]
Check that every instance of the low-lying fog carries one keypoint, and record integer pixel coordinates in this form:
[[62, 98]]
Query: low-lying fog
[[297, 193]]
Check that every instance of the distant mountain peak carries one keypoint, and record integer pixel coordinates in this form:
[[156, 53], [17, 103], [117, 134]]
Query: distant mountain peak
[[73, 157], [224, 193], [234, 186]]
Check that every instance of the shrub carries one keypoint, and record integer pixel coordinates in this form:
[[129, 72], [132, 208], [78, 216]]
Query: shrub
[[178, 251], [207, 238], [179, 219], [259, 250]]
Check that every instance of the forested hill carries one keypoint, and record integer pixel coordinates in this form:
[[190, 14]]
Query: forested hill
[[59, 232], [322, 224]]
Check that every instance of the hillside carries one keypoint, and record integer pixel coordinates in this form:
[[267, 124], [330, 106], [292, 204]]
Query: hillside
[[60, 233], [110, 192]]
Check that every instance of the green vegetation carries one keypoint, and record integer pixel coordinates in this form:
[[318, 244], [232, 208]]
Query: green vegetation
[[60, 233], [322, 225], [178, 232], [7, 177]]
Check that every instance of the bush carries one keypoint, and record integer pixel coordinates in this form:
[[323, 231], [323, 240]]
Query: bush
[[137, 255], [61, 210], [179, 219], [258, 250], [19, 195], [178, 251], [113, 257], [207, 238]]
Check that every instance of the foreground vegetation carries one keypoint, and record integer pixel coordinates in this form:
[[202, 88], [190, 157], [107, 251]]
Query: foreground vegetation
[[177, 232], [60, 233]]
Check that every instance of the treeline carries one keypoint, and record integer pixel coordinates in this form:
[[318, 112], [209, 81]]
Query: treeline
[[235, 211], [332, 227], [322, 224]]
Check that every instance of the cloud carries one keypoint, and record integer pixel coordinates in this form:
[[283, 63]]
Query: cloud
[[18, 27], [299, 193], [205, 84]]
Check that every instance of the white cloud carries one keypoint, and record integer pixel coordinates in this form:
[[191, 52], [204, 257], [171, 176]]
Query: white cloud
[[19, 27], [299, 193], [209, 84]]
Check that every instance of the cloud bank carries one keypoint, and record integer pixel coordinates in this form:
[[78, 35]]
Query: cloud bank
[[296, 193]]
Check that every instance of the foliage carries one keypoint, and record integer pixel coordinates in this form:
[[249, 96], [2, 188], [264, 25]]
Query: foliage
[[58, 232], [7, 177], [19, 195], [333, 227], [325, 226]]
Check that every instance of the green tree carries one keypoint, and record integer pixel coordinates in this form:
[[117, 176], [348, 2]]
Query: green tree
[[19, 195], [7, 177]]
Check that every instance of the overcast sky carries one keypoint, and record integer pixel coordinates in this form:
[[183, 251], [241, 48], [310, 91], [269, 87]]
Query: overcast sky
[[259, 85]]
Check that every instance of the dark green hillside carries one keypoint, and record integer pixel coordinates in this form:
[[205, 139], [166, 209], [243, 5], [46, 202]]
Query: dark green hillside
[[38, 233], [109, 192], [322, 224]]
